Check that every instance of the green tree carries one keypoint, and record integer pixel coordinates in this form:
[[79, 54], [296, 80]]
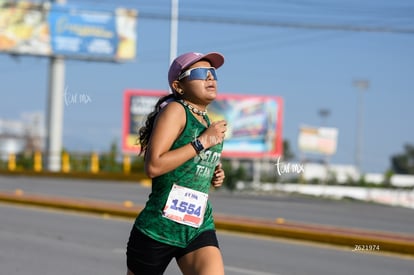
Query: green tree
[[137, 165], [233, 175], [404, 163], [108, 161]]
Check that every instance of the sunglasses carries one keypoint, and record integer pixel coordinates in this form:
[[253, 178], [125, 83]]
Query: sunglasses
[[198, 73]]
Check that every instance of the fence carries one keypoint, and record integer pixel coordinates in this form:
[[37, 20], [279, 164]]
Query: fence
[[75, 162]]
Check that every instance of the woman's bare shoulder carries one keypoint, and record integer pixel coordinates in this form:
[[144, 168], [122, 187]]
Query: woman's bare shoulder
[[173, 112]]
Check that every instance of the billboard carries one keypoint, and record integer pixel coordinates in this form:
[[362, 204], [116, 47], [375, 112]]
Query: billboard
[[318, 140], [47, 29], [254, 122]]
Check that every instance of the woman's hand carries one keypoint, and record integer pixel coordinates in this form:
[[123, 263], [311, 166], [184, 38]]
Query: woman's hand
[[218, 177], [214, 134]]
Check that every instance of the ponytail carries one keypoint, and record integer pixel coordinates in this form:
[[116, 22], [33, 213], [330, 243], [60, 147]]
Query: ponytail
[[145, 131]]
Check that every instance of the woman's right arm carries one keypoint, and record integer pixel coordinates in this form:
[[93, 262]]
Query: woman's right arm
[[168, 126]]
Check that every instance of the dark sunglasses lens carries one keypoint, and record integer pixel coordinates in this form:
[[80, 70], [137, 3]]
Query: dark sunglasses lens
[[201, 73], [213, 73]]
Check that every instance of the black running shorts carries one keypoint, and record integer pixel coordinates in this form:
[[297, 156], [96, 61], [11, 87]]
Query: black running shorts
[[150, 257]]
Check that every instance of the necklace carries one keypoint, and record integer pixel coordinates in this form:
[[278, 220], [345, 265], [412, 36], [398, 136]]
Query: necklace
[[193, 109]]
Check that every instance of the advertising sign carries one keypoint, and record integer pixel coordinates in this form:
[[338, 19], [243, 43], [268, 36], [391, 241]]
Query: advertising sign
[[319, 140], [24, 28], [137, 105], [254, 122], [65, 30]]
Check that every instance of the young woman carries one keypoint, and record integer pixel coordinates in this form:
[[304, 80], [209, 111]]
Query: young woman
[[182, 150]]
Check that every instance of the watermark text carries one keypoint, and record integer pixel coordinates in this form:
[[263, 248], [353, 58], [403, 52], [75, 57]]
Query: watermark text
[[76, 98], [366, 247], [288, 168]]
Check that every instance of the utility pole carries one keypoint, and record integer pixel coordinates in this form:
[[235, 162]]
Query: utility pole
[[324, 113], [55, 110], [174, 30], [362, 85]]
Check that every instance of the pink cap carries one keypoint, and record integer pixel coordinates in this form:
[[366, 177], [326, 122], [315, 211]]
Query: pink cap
[[186, 60]]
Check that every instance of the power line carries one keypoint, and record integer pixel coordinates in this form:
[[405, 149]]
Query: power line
[[280, 24]]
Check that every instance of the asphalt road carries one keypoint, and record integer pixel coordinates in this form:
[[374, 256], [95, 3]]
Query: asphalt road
[[292, 208], [48, 242]]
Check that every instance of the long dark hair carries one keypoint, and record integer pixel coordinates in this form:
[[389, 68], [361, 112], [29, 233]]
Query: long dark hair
[[145, 131]]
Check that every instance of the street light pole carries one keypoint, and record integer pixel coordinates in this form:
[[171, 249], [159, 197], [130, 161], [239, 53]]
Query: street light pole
[[174, 30], [324, 113], [362, 86]]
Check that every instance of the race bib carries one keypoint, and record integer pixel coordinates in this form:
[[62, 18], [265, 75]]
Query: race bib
[[185, 206]]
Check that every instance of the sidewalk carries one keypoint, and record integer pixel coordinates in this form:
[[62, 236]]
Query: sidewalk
[[356, 239]]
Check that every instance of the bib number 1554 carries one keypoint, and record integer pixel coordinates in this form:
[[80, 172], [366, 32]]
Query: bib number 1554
[[185, 206]]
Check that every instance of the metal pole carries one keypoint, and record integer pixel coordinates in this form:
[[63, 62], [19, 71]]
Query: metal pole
[[362, 86], [174, 30], [324, 113], [55, 111]]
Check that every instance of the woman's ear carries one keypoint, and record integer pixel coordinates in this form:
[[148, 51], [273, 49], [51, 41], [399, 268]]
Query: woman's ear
[[177, 88]]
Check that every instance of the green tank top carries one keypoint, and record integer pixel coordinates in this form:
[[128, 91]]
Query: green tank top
[[195, 174]]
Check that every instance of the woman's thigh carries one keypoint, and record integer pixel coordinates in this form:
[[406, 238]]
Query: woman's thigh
[[203, 261], [201, 256]]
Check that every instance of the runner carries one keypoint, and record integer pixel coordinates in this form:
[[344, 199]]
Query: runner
[[182, 150]]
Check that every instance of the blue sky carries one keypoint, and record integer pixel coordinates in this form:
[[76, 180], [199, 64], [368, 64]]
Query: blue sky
[[311, 69]]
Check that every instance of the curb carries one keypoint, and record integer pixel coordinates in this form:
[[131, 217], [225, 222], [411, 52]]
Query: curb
[[356, 239], [102, 176]]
